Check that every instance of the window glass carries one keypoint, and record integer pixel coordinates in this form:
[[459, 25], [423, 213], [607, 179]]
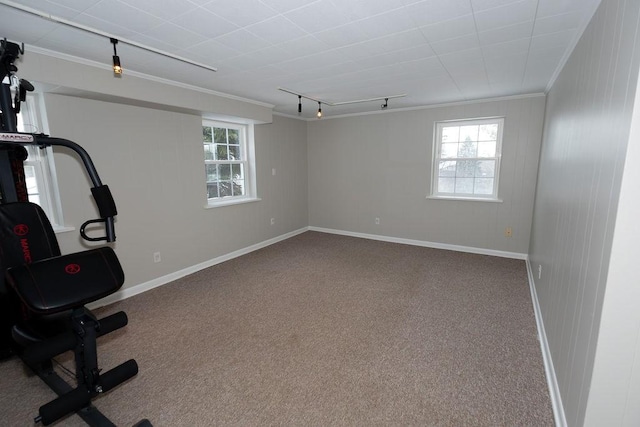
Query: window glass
[[467, 158], [228, 161]]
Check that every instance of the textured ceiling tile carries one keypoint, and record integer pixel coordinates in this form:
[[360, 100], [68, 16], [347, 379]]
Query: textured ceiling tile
[[304, 46], [521, 11], [470, 41], [556, 7], [555, 23], [243, 41], [505, 34], [165, 9], [276, 30], [317, 16], [203, 22], [432, 11], [559, 39], [174, 35], [241, 13], [336, 47], [450, 29], [213, 50], [284, 6], [395, 21], [123, 15], [14, 30]]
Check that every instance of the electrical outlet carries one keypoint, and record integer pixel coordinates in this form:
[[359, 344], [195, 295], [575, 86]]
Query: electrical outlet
[[156, 257], [377, 221], [273, 221], [508, 232], [539, 271]]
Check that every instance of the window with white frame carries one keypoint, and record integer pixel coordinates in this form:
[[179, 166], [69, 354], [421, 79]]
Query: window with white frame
[[228, 162], [39, 168], [467, 159]]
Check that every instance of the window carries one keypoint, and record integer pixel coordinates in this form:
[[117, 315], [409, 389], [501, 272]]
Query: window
[[228, 162], [39, 169], [467, 159]]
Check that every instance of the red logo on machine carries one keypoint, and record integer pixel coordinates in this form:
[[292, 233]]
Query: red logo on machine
[[21, 229], [72, 269]]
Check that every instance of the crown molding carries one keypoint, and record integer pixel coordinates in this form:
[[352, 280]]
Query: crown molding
[[99, 65]]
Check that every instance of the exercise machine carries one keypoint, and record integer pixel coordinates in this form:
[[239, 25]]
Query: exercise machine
[[42, 292]]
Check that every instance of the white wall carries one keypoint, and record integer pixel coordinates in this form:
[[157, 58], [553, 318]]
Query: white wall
[[379, 166], [153, 162], [615, 386], [585, 141]]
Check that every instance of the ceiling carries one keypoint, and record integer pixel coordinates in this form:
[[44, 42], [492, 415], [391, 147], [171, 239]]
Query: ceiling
[[434, 51]]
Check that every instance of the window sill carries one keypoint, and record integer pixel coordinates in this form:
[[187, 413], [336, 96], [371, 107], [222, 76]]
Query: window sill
[[62, 229], [465, 199], [231, 202]]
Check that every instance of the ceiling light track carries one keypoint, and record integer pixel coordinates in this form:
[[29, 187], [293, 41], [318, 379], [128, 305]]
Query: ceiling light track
[[87, 29], [384, 106]]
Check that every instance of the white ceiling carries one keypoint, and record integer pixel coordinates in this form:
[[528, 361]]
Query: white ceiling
[[435, 51]]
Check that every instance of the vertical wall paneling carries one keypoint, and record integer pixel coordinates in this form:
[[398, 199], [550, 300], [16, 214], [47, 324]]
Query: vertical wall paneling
[[585, 141]]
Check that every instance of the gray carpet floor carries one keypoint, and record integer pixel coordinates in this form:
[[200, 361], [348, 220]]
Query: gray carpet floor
[[322, 330]]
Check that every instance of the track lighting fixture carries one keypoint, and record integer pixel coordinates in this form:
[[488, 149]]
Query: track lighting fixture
[[334, 104], [116, 60], [117, 69]]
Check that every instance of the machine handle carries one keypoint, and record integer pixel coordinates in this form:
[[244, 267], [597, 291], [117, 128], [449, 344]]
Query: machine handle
[[101, 193]]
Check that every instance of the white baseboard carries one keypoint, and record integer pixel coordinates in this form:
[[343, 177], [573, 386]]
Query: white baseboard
[[552, 380], [424, 243], [138, 289]]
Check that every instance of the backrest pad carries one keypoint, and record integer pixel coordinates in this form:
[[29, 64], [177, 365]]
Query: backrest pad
[[26, 236]]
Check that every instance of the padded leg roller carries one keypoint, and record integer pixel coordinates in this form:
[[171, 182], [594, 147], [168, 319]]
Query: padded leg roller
[[113, 322], [73, 401], [118, 375]]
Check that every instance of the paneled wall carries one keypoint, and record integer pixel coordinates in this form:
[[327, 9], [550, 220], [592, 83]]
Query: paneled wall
[[153, 162], [379, 166], [586, 136]]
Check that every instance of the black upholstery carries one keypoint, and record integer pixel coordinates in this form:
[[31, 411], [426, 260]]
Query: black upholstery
[[66, 282], [26, 235], [45, 293]]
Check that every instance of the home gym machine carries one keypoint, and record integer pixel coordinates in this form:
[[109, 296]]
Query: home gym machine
[[43, 293]]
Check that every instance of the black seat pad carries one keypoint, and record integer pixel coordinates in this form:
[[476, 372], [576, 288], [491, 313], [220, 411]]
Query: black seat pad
[[61, 283]]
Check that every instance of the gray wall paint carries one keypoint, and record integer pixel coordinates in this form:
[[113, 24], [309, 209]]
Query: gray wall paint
[[585, 140], [379, 166], [153, 162], [82, 80]]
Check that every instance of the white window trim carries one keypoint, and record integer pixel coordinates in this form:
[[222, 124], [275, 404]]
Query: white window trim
[[36, 122], [437, 146], [248, 146]]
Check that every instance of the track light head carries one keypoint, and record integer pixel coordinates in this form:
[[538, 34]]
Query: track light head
[[299, 104], [319, 115], [386, 104], [117, 68]]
